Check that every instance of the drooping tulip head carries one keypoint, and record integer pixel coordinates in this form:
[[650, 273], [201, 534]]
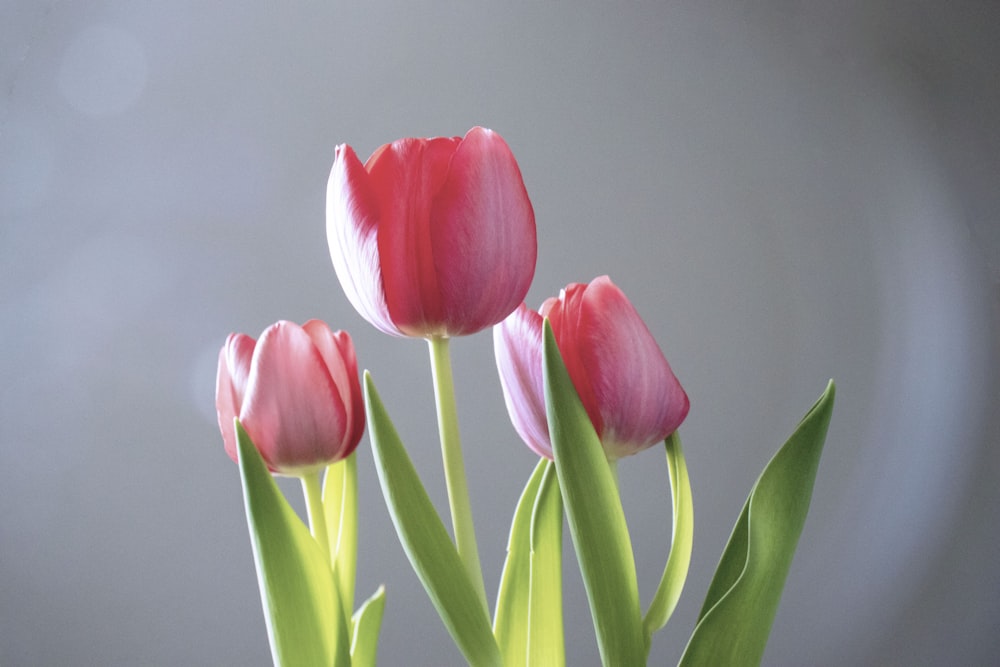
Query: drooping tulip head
[[626, 385], [432, 237], [296, 392]]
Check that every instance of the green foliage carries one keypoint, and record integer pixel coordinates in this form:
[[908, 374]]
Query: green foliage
[[426, 542], [595, 516], [736, 619], [675, 572], [528, 623], [510, 620], [367, 623], [546, 645], [305, 622]]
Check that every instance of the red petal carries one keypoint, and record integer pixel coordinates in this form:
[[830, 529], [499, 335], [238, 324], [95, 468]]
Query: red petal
[[404, 176], [564, 314], [641, 401], [482, 228], [352, 218]]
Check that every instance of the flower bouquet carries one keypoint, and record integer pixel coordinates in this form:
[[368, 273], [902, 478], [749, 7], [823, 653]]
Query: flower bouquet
[[435, 238]]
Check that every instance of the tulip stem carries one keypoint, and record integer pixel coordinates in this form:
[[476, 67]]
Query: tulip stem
[[454, 467], [613, 465], [313, 491]]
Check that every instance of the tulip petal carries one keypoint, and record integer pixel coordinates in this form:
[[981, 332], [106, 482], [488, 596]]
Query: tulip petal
[[482, 228], [356, 403], [517, 344], [337, 351], [225, 405], [288, 379], [404, 176], [231, 384], [641, 400], [565, 315], [352, 215]]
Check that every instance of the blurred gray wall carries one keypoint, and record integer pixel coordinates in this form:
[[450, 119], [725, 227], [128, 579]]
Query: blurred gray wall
[[788, 192]]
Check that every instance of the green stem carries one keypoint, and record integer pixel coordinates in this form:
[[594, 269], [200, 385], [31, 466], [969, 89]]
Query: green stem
[[312, 489], [613, 465], [454, 467]]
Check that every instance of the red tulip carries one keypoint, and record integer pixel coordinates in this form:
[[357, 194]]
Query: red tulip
[[618, 370], [296, 392], [432, 237]]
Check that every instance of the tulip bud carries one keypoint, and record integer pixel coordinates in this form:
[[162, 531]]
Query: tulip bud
[[295, 391], [623, 380], [432, 237]]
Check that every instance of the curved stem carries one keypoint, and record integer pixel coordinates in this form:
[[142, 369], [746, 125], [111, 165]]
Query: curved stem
[[312, 489], [454, 466]]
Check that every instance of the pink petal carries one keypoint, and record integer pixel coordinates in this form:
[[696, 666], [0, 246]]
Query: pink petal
[[352, 216], [239, 354], [641, 401], [355, 404], [517, 344], [292, 409], [230, 385], [337, 351], [225, 405], [404, 176], [482, 228]]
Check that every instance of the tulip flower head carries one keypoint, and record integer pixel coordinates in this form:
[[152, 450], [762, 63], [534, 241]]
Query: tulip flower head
[[295, 391], [432, 237], [626, 385]]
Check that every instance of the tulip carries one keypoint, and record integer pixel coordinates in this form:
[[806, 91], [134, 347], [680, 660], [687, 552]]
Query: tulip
[[432, 237], [295, 391], [623, 380]]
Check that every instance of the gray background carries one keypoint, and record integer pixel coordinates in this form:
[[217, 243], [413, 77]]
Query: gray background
[[787, 192]]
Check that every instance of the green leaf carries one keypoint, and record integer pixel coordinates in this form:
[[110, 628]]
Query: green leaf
[[367, 624], [676, 570], [596, 519], [528, 623], [425, 540], [736, 619], [340, 505], [305, 624], [510, 621], [546, 645]]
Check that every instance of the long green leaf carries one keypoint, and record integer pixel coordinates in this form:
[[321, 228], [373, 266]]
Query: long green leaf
[[546, 644], [676, 570], [425, 540], [305, 623], [340, 504], [596, 519], [736, 619], [510, 620], [367, 624]]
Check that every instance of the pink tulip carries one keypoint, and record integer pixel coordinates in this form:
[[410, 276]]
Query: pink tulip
[[623, 380], [296, 392], [432, 237]]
